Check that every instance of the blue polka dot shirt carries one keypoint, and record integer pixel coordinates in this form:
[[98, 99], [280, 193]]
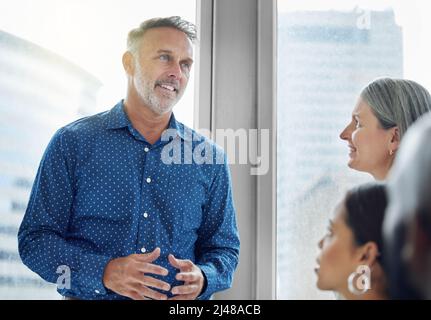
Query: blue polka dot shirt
[[102, 192]]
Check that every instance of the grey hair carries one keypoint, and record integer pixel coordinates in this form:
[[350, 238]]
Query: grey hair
[[176, 22], [396, 102]]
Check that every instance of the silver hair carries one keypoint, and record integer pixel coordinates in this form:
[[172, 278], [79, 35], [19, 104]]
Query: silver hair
[[396, 102], [135, 35]]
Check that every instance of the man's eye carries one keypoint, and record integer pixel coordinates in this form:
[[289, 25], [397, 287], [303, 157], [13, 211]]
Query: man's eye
[[164, 57], [186, 66]]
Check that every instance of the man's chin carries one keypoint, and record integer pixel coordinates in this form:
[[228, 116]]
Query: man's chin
[[162, 110]]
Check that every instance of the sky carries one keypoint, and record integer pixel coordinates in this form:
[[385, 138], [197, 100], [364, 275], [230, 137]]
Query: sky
[[92, 34]]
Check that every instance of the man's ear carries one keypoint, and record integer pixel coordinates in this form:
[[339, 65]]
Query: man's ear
[[368, 253], [129, 63]]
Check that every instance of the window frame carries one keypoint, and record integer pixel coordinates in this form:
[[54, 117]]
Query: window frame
[[254, 30]]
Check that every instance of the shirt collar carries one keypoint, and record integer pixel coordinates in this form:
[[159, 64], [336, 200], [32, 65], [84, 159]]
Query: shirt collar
[[117, 118]]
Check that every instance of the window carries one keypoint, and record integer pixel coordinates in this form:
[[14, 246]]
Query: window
[[59, 61], [327, 51]]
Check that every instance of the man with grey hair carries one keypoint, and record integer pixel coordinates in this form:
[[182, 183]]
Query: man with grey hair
[[407, 225], [107, 209]]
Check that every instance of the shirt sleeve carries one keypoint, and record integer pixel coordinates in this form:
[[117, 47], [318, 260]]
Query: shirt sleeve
[[42, 237], [217, 248]]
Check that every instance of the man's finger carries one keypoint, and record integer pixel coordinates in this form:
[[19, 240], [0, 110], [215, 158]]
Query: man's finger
[[152, 268], [185, 289], [178, 263], [187, 276], [148, 257], [150, 293], [155, 283], [133, 294], [184, 297]]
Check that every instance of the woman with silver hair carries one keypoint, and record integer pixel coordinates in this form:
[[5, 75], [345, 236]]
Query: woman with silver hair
[[407, 224], [385, 109]]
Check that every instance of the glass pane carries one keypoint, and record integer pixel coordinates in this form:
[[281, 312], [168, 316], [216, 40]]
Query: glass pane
[[59, 61], [327, 51]]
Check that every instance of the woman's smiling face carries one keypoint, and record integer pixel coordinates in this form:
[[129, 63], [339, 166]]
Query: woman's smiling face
[[368, 142]]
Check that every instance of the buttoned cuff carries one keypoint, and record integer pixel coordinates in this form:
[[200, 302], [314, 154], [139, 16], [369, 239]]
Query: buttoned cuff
[[210, 276]]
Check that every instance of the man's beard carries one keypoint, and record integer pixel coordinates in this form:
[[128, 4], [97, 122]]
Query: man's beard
[[146, 90]]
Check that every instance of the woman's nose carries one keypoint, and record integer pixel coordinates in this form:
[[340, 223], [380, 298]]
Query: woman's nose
[[346, 133]]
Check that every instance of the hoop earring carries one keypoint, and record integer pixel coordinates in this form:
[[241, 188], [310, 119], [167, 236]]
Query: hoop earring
[[363, 282]]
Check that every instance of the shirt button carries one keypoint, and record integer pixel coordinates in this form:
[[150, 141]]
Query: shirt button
[[143, 250], [146, 149], [97, 291], [145, 215], [148, 180]]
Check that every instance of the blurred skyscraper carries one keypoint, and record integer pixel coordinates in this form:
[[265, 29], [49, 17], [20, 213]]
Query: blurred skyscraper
[[39, 92]]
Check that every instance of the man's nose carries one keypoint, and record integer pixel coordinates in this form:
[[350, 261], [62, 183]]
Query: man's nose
[[175, 71]]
